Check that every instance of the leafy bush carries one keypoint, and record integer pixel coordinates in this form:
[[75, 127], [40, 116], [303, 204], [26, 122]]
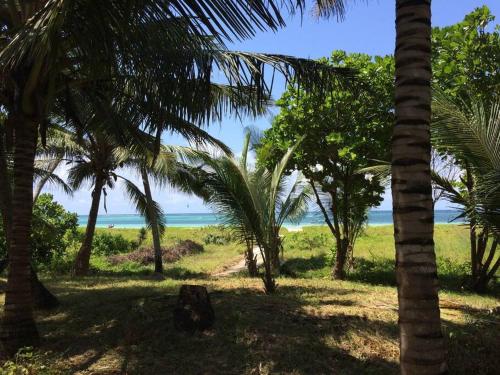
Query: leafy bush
[[309, 241], [54, 229], [107, 244], [221, 236]]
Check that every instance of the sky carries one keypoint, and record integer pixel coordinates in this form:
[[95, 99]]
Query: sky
[[368, 27]]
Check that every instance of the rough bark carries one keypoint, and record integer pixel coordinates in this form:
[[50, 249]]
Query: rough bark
[[422, 349], [43, 298], [18, 326], [155, 229], [83, 257]]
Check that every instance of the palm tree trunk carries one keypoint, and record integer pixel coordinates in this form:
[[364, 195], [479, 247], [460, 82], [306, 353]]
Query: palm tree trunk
[[83, 258], [42, 297], [422, 349], [250, 260], [18, 326], [155, 229]]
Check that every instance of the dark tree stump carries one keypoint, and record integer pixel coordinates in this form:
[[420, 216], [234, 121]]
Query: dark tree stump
[[194, 311]]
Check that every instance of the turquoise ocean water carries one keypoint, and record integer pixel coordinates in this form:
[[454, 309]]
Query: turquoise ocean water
[[204, 219]]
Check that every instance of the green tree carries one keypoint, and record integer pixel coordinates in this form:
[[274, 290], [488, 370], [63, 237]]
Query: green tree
[[465, 56], [51, 222], [342, 132]]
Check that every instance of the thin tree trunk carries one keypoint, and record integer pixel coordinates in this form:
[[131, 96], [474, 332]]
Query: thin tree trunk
[[18, 326], [83, 258], [338, 268], [155, 229], [250, 260], [422, 349], [340, 259]]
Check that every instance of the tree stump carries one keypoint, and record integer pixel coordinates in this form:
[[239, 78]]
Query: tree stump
[[194, 311]]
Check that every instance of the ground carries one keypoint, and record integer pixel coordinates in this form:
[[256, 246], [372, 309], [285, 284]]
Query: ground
[[121, 323]]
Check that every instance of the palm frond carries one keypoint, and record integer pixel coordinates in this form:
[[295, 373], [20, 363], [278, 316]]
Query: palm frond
[[138, 198]]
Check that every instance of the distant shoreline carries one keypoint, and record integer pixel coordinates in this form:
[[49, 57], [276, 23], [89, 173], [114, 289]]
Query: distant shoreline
[[200, 220]]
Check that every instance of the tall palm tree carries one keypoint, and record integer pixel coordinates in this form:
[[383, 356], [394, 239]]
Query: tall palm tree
[[422, 348], [470, 130], [167, 167], [254, 203], [96, 158]]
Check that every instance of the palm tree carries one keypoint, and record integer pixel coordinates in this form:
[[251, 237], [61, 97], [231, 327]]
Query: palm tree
[[164, 168], [422, 348], [254, 203], [96, 158], [469, 130]]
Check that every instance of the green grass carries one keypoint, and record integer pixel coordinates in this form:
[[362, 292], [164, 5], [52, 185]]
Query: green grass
[[309, 255], [120, 321]]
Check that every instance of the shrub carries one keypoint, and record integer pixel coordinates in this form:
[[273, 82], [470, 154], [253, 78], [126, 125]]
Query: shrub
[[222, 236], [107, 244], [54, 229]]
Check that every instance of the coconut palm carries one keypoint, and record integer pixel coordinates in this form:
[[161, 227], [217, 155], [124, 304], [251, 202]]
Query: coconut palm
[[253, 202], [166, 167], [469, 130]]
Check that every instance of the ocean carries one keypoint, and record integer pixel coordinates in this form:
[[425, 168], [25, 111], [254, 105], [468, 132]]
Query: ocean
[[375, 217]]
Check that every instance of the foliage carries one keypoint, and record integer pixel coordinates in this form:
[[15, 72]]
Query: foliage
[[28, 361], [342, 132], [109, 244], [220, 235], [465, 56], [470, 130], [254, 203], [54, 229]]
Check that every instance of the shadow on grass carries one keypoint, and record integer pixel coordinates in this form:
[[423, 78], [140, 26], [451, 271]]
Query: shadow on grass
[[475, 343], [380, 271], [176, 273], [296, 266], [130, 330]]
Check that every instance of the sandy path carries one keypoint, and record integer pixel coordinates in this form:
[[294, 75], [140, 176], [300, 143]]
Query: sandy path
[[239, 266]]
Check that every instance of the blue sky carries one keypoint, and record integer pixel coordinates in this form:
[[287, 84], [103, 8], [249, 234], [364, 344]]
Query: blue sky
[[368, 28]]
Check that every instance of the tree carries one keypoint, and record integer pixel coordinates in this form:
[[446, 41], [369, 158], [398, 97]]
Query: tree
[[254, 203], [465, 56], [469, 130], [342, 132], [96, 159]]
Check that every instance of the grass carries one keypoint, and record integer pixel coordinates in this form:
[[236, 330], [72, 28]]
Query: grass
[[115, 323]]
